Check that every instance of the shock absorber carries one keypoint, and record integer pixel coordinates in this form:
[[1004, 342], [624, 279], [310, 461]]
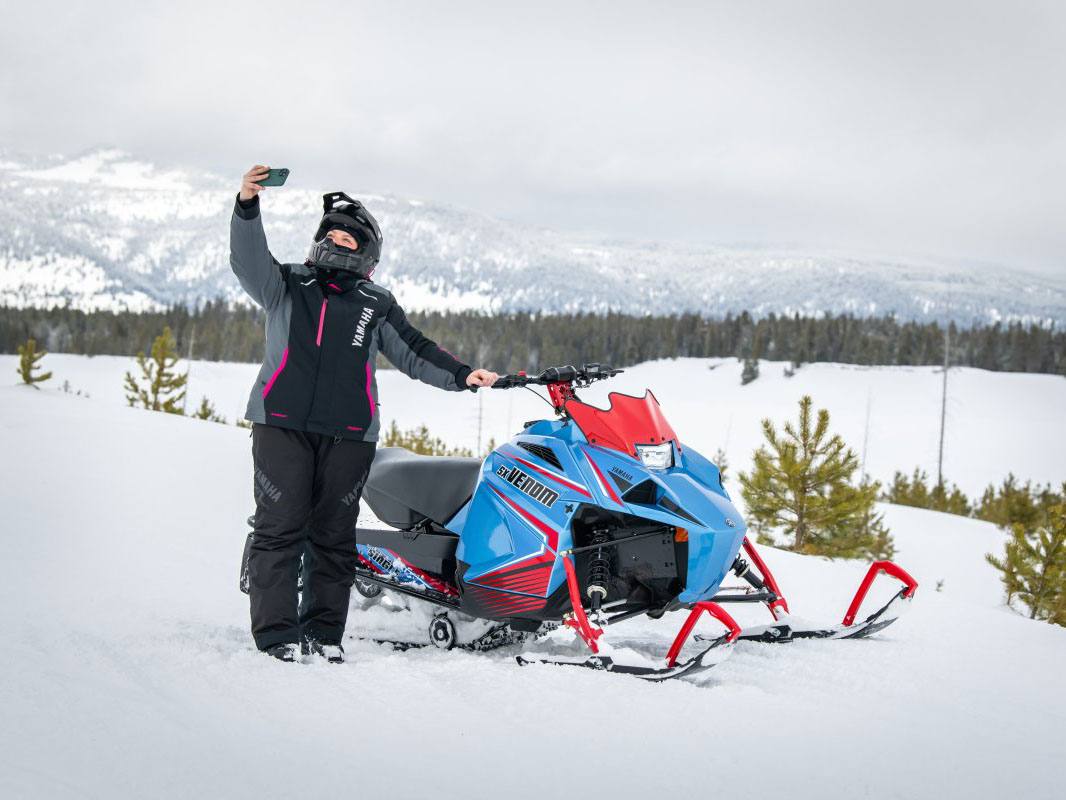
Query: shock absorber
[[599, 569], [742, 570]]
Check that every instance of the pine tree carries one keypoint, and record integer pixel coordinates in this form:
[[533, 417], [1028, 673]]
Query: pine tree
[[915, 492], [898, 490], [721, 461], [1033, 567], [800, 486], [29, 360], [419, 440], [950, 501], [164, 388], [919, 496], [206, 411], [1009, 504]]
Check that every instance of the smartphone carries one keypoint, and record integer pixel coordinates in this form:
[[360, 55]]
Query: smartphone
[[275, 177]]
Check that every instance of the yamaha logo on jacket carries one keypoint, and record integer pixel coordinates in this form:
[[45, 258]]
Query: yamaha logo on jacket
[[365, 316]]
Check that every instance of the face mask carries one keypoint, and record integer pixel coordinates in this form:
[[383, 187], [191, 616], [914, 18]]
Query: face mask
[[325, 254]]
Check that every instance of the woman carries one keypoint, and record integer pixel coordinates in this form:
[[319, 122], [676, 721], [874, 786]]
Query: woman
[[314, 413]]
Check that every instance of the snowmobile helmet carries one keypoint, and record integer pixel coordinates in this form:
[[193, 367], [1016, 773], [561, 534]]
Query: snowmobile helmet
[[339, 211]]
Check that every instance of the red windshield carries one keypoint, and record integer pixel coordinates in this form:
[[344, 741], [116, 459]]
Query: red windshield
[[628, 421]]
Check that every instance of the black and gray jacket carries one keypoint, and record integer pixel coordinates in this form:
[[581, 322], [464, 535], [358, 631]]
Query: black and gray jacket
[[322, 336]]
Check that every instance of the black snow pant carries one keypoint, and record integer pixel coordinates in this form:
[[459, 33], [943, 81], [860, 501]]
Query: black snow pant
[[307, 489]]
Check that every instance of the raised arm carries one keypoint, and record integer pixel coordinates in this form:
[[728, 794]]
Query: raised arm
[[249, 257]]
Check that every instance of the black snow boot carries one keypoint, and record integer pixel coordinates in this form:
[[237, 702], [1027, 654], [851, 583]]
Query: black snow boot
[[283, 652], [331, 651]]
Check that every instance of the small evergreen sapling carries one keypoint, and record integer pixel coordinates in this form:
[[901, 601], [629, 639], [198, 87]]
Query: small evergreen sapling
[[29, 363], [207, 412], [163, 387], [1014, 502], [721, 460], [800, 485], [1033, 567], [916, 491]]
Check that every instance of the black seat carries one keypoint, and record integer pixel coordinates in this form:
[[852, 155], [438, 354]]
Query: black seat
[[405, 489]]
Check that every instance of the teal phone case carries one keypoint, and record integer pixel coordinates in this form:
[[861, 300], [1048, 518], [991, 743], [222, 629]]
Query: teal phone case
[[276, 177]]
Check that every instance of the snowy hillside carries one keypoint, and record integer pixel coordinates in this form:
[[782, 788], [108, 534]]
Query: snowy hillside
[[997, 422], [129, 672], [103, 230]]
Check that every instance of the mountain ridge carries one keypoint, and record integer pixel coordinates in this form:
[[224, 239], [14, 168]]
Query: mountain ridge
[[138, 236]]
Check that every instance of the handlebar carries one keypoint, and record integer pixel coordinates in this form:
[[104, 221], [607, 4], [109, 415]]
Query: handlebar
[[582, 376]]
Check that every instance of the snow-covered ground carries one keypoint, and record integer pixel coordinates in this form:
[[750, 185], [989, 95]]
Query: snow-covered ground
[[997, 422], [129, 672]]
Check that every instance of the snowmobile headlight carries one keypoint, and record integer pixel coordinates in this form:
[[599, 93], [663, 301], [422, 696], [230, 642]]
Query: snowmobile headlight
[[656, 456]]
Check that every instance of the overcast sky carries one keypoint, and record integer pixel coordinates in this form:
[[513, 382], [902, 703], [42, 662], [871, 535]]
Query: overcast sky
[[902, 128]]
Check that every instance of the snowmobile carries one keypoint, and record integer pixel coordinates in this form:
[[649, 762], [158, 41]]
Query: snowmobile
[[577, 524]]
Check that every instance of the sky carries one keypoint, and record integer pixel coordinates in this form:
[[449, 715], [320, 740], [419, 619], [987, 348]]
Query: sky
[[896, 128]]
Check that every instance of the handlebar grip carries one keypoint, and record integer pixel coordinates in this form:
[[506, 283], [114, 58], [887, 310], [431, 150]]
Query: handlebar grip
[[559, 374]]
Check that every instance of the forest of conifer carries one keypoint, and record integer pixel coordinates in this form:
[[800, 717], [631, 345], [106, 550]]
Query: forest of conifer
[[509, 342]]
